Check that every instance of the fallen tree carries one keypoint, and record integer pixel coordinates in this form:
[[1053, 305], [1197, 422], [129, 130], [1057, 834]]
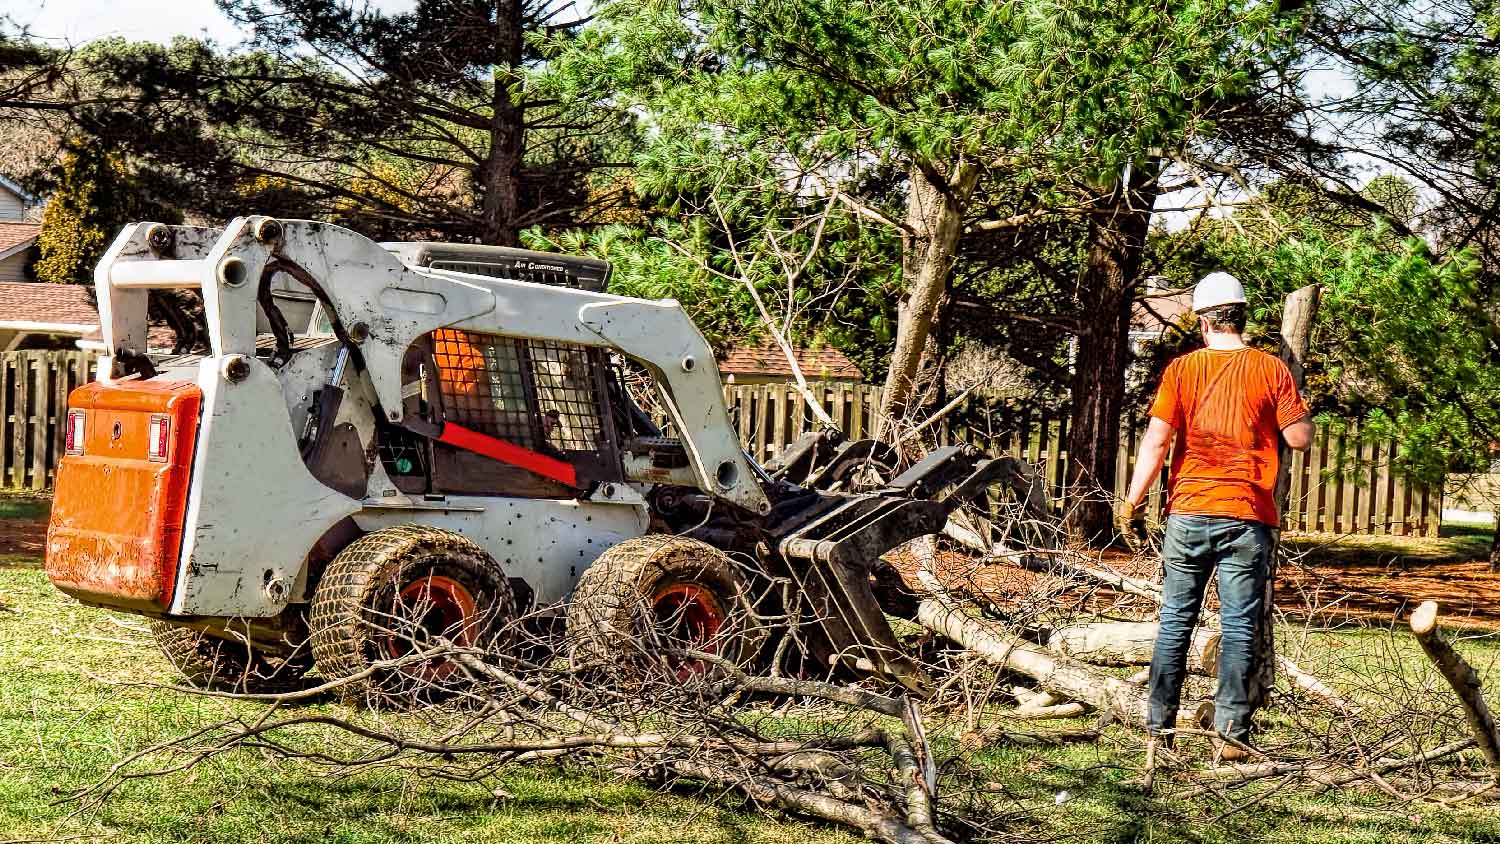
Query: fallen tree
[[1071, 564], [1120, 699], [1462, 678], [1129, 643]]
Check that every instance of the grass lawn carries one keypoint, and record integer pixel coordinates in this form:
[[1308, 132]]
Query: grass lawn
[[62, 723], [64, 719]]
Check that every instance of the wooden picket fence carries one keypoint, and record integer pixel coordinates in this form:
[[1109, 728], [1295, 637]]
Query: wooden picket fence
[[1339, 486], [34, 387]]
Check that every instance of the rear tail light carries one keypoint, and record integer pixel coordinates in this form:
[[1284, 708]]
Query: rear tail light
[[157, 431], [75, 431]]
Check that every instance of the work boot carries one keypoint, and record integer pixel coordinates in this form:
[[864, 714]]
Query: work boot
[[1230, 752]]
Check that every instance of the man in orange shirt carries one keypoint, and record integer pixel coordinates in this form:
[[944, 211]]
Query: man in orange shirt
[[1224, 409]]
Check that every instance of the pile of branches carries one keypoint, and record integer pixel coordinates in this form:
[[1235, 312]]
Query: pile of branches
[[860, 755]]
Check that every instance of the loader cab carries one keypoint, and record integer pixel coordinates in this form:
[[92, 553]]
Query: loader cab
[[490, 414], [499, 415]]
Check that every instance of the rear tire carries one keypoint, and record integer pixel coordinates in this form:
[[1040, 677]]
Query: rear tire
[[661, 589], [392, 592], [206, 661]]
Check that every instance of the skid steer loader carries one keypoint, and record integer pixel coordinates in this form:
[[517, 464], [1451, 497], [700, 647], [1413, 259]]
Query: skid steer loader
[[438, 438]]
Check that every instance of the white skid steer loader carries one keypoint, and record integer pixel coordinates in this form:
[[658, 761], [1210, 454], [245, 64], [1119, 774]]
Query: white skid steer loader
[[388, 438]]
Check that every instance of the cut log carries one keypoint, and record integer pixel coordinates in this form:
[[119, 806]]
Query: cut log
[[1071, 709], [1462, 677], [1119, 699], [1130, 643], [1031, 699], [1072, 564], [1053, 673], [1298, 313]]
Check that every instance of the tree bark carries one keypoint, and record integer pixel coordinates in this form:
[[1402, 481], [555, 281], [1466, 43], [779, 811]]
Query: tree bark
[[1117, 643], [1462, 677], [500, 177], [1051, 672], [1121, 700], [1298, 313], [1495, 544], [934, 219], [1061, 563], [1106, 290]]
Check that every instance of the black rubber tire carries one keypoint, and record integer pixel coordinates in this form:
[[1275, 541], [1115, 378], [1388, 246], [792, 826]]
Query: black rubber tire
[[206, 661], [356, 598], [610, 617]]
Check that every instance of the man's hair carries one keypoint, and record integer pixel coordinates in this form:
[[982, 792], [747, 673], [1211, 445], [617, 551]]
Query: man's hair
[[1226, 317]]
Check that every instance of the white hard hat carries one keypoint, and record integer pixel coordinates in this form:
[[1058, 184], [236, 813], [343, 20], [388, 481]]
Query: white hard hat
[[1217, 289]]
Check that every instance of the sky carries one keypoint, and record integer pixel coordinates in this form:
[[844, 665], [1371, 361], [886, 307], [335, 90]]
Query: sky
[[76, 21]]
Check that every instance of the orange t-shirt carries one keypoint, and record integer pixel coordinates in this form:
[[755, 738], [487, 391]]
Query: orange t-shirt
[[1228, 408]]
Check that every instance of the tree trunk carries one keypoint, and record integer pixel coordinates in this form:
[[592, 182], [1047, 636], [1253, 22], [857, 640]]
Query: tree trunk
[[1495, 544], [1123, 701], [1130, 643], [934, 215], [1462, 677], [1116, 245], [1298, 314], [500, 177]]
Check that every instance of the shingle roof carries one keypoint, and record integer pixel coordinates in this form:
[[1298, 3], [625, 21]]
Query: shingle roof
[[16, 234], [158, 336], [52, 303], [767, 359]]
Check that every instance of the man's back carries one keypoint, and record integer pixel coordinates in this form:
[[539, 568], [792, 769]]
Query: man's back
[[1228, 408]]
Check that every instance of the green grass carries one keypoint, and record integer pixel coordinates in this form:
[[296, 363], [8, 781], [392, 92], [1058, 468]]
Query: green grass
[[63, 722], [64, 718], [1454, 544]]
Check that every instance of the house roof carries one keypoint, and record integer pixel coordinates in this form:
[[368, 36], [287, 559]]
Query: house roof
[[158, 336], [767, 360], [16, 189], [63, 309], [15, 237], [35, 303], [1159, 311]]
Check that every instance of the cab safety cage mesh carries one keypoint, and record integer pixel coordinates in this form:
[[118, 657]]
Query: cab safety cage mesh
[[543, 395]]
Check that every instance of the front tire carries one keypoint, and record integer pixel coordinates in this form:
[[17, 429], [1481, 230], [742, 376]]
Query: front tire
[[212, 662], [662, 591], [394, 592]]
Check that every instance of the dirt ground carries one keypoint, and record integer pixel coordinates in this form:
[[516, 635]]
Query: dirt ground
[[1374, 579], [23, 527]]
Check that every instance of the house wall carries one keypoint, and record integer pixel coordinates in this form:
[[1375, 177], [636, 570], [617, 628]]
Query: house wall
[[12, 207], [14, 267]]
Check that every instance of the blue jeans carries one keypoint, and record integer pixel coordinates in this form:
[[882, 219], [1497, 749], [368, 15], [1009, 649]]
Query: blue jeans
[[1193, 547]]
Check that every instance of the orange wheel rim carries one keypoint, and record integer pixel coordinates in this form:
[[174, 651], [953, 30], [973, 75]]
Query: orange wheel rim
[[690, 616], [429, 608]]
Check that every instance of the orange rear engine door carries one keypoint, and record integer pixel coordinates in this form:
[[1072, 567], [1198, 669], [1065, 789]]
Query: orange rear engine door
[[121, 493]]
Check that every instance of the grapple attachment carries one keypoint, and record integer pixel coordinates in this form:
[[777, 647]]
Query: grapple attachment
[[831, 544]]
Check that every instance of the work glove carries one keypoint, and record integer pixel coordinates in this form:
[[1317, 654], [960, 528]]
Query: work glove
[[1130, 523]]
